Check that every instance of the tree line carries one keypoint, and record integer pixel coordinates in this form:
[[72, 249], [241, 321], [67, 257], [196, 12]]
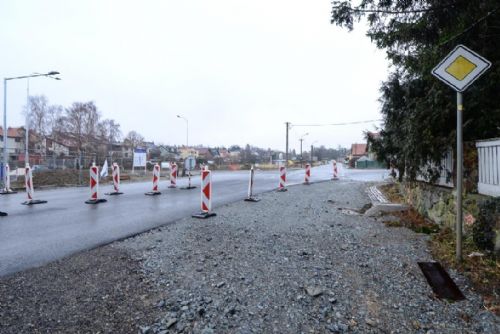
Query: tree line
[[81, 122], [419, 111]]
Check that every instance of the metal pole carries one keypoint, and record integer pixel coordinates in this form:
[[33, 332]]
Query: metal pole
[[26, 154], [460, 109], [311, 154], [301, 140], [286, 150], [187, 132], [5, 156]]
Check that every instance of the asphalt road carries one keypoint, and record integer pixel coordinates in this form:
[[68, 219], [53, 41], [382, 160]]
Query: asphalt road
[[31, 236]]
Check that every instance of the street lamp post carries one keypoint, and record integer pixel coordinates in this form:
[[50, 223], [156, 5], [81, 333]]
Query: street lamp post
[[301, 140], [5, 130], [187, 129]]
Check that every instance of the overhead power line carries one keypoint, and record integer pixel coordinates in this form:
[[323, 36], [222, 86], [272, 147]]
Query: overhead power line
[[336, 124]]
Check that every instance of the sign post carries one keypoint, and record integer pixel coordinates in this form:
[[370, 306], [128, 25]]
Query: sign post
[[189, 164], [139, 159], [459, 69]]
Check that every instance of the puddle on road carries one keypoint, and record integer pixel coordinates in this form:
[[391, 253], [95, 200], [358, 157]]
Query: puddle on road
[[356, 212]]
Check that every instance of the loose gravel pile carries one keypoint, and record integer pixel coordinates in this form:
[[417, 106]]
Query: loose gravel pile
[[298, 262]]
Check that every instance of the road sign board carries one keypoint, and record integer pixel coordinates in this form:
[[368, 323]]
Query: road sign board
[[189, 163], [460, 68]]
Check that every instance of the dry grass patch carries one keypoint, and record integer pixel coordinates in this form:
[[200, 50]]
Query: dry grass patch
[[483, 271]]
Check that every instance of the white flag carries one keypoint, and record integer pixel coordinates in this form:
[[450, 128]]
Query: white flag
[[104, 170]]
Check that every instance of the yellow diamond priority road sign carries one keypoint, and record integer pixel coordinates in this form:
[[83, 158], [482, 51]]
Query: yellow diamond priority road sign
[[461, 68]]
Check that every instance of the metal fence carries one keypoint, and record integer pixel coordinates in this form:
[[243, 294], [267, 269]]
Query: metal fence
[[488, 152], [440, 174]]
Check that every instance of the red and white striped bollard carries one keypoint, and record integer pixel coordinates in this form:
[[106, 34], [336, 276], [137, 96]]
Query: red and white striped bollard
[[335, 171], [94, 186], [6, 181], [116, 180], [282, 184], [307, 175], [173, 175], [30, 191], [156, 181], [206, 195]]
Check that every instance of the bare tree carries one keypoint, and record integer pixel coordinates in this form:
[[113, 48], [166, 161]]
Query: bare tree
[[81, 121], [54, 113], [134, 139], [110, 130], [37, 114]]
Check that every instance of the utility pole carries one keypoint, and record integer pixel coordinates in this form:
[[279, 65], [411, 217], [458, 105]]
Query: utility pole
[[311, 154], [301, 159], [286, 150]]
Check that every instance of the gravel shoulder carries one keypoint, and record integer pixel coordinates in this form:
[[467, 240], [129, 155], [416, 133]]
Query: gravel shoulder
[[292, 263]]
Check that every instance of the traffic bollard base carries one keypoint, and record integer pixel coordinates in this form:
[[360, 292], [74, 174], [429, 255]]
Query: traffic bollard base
[[153, 193], [34, 201], [335, 178], [7, 192], [187, 188], [282, 190], [114, 193], [204, 215], [96, 201], [307, 183], [3, 214], [173, 187], [252, 199]]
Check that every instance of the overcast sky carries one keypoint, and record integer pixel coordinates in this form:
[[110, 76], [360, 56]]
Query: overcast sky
[[238, 70]]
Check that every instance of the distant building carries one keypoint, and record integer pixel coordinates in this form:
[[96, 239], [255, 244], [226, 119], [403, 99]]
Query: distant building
[[15, 142], [357, 151], [187, 152]]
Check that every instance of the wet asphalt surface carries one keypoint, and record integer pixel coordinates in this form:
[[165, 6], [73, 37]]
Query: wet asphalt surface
[[31, 236]]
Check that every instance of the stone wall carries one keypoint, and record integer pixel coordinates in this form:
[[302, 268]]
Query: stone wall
[[439, 205]]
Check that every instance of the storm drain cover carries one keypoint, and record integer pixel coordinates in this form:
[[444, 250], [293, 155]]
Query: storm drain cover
[[441, 283]]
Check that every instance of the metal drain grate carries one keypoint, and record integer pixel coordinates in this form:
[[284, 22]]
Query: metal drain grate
[[441, 283]]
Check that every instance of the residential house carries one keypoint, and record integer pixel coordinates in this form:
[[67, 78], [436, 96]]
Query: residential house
[[357, 151], [15, 141], [204, 153], [188, 152]]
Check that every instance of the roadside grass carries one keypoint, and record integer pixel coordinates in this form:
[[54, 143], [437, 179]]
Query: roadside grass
[[481, 268], [413, 220]]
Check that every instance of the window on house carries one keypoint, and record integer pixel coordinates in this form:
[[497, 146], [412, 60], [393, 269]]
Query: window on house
[[18, 140], [126, 155]]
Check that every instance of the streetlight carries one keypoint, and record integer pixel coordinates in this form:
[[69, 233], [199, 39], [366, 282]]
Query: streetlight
[[34, 75], [301, 140], [187, 129]]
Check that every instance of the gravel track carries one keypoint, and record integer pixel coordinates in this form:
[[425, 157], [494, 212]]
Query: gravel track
[[292, 263]]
